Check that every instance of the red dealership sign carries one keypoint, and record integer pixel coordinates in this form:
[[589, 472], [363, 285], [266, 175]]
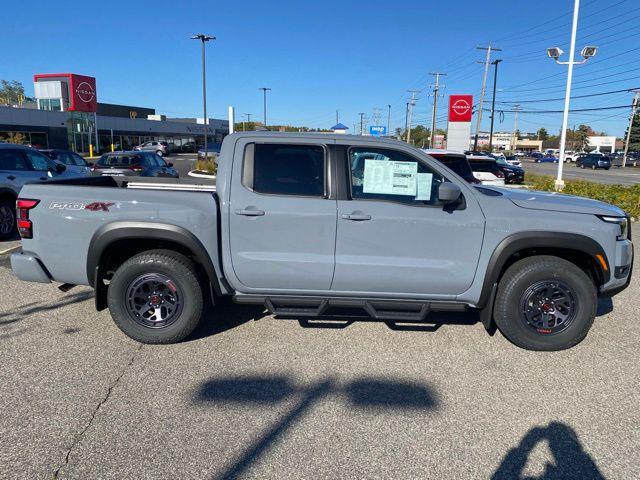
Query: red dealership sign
[[460, 108], [82, 90]]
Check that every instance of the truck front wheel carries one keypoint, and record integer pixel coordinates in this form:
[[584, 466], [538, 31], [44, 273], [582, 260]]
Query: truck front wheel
[[545, 303], [155, 297]]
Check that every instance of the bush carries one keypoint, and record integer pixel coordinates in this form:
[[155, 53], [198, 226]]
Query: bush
[[208, 166], [627, 198]]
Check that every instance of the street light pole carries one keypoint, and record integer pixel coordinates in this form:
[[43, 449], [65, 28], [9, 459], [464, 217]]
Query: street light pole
[[388, 119], [204, 39], [264, 95], [493, 102]]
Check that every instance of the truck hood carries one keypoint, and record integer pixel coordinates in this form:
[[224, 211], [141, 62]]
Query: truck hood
[[559, 202]]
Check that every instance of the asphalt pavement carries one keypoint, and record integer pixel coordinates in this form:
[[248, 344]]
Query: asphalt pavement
[[615, 175], [252, 396]]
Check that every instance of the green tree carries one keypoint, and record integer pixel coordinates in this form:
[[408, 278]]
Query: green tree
[[11, 92], [634, 139], [542, 134], [580, 137]]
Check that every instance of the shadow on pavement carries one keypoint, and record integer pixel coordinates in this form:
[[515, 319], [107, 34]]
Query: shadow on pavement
[[569, 458], [34, 307], [225, 316], [605, 305], [368, 393]]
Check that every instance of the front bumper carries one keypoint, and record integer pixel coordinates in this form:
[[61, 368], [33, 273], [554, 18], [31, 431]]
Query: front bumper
[[29, 268], [621, 270]]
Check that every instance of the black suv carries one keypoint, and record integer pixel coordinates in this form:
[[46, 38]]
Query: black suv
[[456, 162], [594, 161], [136, 163]]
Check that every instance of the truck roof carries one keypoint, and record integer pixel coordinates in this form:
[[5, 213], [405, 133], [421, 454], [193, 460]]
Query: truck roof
[[317, 136]]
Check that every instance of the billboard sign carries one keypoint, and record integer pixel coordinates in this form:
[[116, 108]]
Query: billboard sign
[[82, 90], [460, 108], [377, 130]]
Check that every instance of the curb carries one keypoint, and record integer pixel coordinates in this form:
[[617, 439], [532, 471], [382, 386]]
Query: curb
[[194, 173], [10, 250]]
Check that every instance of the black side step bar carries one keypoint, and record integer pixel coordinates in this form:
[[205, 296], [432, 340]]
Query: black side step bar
[[407, 310]]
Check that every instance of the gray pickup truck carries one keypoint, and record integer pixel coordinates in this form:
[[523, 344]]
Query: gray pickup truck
[[308, 224]]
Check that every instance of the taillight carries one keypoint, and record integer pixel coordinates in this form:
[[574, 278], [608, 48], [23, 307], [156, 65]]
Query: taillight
[[499, 174], [25, 227], [136, 168]]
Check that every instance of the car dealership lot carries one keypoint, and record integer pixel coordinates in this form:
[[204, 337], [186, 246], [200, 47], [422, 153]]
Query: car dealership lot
[[615, 175], [253, 396]]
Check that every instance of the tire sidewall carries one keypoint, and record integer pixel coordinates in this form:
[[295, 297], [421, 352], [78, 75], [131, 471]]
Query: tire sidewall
[[509, 317], [188, 288]]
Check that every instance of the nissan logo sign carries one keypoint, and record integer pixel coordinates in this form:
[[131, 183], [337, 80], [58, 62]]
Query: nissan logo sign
[[85, 92], [460, 107]]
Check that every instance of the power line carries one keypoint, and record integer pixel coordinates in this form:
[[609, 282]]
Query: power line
[[561, 111], [562, 98]]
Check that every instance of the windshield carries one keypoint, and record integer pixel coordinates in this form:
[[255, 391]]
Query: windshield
[[483, 165], [119, 160], [457, 163]]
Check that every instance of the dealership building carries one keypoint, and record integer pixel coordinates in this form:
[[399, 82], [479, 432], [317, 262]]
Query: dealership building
[[66, 114]]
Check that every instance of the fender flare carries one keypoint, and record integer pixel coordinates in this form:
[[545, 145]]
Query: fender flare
[[8, 191], [537, 239], [111, 232]]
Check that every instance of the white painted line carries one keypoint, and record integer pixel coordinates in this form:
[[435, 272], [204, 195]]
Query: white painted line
[[9, 250]]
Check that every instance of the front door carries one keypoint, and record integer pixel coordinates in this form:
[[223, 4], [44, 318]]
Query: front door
[[394, 237], [282, 222]]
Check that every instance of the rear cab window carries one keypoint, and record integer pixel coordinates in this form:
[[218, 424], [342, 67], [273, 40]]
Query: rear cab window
[[11, 159], [119, 160], [391, 175], [457, 163], [285, 169]]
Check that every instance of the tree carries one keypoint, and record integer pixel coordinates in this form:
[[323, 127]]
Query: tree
[[542, 134], [634, 139], [11, 92], [581, 137]]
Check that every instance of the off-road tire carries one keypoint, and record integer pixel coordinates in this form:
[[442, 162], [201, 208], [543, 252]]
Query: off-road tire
[[525, 273], [182, 273]]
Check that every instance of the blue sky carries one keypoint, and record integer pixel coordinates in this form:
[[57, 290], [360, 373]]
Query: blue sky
[[317, 57]]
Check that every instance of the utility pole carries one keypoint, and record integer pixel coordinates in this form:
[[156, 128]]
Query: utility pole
[[248, 115], [493, 102], [204, 39], [634, 106], [388, 119], [406, 119], [264, 95], [436, 87], [514, 135], [411, 105], [486, 62], [361, 123], [337, 117]]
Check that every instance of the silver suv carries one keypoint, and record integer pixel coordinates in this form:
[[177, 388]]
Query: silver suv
[[160, 148]]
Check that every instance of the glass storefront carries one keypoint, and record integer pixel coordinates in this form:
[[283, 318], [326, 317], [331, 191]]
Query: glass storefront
[[35, 139], [80, 128]]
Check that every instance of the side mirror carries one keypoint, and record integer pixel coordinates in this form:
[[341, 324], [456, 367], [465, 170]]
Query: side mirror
[[448, 192], [170, 164]]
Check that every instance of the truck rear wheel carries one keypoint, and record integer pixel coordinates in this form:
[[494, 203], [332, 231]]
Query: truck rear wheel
[[545, 303], [155, 297]]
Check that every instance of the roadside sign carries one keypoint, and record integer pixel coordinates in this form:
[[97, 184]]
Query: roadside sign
[[460, 108], [377, 130]]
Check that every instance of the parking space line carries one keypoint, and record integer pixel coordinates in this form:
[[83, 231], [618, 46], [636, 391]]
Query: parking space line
[[9, 250]]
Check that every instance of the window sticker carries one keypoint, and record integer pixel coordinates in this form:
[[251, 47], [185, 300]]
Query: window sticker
[[424, 182], [389, 177]]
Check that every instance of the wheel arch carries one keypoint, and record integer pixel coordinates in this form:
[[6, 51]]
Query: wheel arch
[[576, 248], [115, 242]]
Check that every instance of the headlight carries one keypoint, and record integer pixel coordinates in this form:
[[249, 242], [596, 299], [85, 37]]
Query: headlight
[[623, 223]]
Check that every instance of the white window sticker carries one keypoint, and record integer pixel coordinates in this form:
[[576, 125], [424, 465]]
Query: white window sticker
[[424, 181], [389, 177]]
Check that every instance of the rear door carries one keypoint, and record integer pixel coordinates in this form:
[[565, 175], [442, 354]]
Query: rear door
[[282, 218], [394, 235]]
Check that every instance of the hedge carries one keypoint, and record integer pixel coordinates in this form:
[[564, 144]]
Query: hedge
[[625, 197], [206, 166]]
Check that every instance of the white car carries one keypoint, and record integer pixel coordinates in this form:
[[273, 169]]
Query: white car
[[486, 170]]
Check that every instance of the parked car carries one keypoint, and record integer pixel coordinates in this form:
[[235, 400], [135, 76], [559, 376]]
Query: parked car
[[135, 163], [512, 173], [20, 165], [536, 155], [160, 148], [519, 154], [188, 147], [594, 161], [513, 160], [74, 162], [213, 150], [570, 156], [455, 161], [486, 170], [293, 224], [547, 158]]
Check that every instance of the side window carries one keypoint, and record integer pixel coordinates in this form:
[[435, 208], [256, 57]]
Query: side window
[[79, 161], [382, 174], [38, 161], [282, 169], [12, 160], [159, 160]]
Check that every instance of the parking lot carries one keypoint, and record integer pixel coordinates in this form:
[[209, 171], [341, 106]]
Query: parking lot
[[615, 175], [252, 396]]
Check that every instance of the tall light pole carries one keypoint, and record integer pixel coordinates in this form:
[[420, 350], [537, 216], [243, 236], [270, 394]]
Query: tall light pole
[[248, 115], [555, 52], [486, 62], [204, 39], [264, 101], [436, 88], [388, 119], [493, 102], [361, 123]]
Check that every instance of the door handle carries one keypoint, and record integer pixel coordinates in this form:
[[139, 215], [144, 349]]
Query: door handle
[[11, 177], [249, 212], [356, 216]]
